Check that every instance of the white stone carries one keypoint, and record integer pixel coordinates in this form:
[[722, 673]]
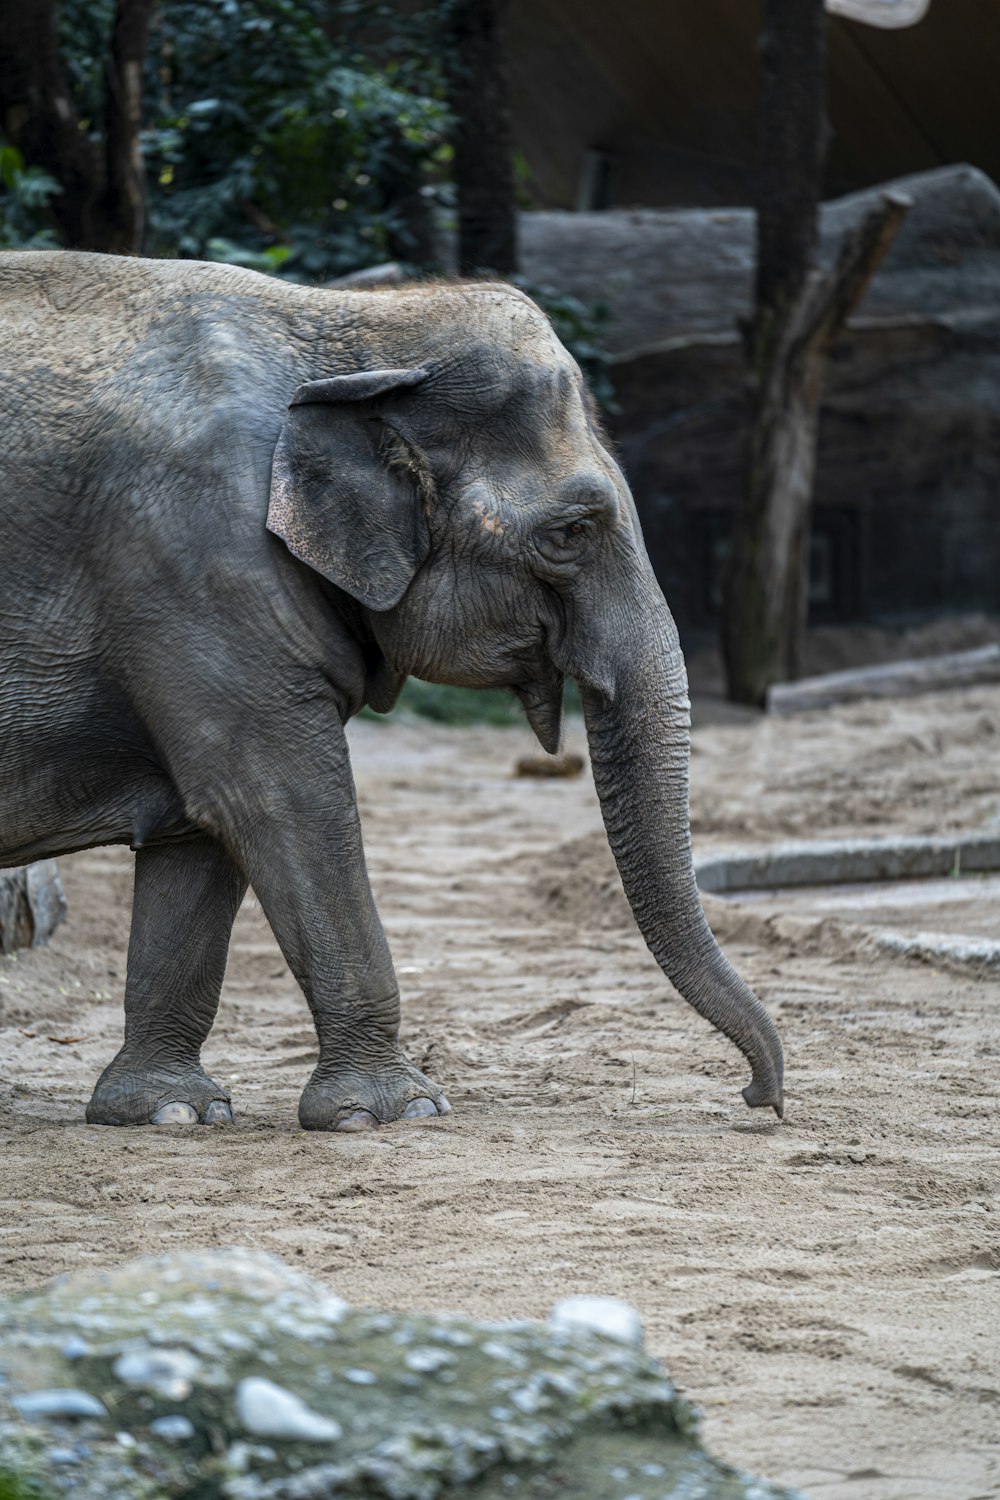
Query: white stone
[[58, 1403], [173, 1428], [427, 1361], [607, 1315], [166, 1372], [268, 1410]]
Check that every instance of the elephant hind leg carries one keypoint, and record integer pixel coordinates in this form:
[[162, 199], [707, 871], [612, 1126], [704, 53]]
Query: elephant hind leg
[[186, 898]]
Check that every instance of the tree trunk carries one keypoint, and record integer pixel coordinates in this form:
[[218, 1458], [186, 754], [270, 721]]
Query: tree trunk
[[768, 574], [124, 202], [798, 313], [37, 116], [484, 169], [101, 203], [890, 679], [766, 588]]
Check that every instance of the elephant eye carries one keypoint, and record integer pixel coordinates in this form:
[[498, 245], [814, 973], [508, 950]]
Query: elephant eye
[[561, 546], [573, 530]]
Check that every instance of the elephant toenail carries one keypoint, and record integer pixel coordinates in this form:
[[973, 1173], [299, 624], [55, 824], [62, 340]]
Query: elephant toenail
[[444, 1108], [175, 1114], [418, 1107], [361, 1119], [218, 1113]]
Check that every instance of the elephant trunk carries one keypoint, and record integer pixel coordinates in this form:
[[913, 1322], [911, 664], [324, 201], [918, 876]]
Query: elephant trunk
[[638, 726]]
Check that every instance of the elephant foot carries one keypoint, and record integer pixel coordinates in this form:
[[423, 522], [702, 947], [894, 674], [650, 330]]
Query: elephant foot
[[129, 1093], [352, 1099]]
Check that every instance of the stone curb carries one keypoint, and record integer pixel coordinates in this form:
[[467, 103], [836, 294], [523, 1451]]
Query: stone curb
[[838, 862], [941, 948], [843, 862]]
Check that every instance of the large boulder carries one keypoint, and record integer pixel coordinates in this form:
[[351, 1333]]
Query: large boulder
[[227, 1374], [32, 905], [668, 274]]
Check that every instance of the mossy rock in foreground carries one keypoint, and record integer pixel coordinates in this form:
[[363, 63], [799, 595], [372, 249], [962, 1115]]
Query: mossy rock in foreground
[[228, 1376]]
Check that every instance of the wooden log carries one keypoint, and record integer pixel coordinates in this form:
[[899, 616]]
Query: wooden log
[[894, 679], [32, 905]]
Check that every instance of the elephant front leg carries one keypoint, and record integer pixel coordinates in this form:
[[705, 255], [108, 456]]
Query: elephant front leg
[[321, 910], [363, 1078], [186, 897], [307, 866]]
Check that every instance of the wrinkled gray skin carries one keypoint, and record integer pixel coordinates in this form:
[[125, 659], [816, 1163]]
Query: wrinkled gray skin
[[232, 512]]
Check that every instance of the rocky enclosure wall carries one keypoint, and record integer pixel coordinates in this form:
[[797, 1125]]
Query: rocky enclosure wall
[[909, 450]]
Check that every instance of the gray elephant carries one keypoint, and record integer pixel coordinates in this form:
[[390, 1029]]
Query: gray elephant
[[232, 512]]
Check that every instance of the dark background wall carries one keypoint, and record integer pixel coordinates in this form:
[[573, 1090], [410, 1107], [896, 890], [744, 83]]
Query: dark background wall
[[907, 516], [666, 92]]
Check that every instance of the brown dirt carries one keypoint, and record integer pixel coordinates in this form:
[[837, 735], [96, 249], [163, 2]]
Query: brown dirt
[[827, 1288]]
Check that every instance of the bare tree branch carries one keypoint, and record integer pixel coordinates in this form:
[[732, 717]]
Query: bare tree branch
[[837, 293]]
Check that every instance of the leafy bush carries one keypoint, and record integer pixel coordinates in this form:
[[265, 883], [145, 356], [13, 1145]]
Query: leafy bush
[[15, 1486], [24, 199], [269, 143], [275, 144]]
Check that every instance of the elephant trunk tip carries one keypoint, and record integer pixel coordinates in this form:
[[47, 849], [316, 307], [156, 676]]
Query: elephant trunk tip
[[759, 1095]]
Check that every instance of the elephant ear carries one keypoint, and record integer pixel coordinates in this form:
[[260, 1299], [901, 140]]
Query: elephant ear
[[336, 502]]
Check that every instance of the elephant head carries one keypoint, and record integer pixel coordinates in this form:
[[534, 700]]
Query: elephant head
[[465, 498]]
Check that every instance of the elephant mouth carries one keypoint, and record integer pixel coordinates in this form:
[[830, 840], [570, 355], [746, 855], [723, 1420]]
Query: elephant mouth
[[541, 697]]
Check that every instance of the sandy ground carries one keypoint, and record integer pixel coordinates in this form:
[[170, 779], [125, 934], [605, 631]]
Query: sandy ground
[[826, 1289]]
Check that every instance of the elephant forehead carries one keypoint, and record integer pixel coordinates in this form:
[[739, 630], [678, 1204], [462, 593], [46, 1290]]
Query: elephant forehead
[[507, 317], [491, 378]]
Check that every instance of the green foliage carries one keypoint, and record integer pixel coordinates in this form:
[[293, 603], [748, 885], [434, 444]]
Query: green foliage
[[20, 1486], [268, 142], [455, 705], [272, 147], [24, 198], [271, 142], [84, 29], [283, 135]]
